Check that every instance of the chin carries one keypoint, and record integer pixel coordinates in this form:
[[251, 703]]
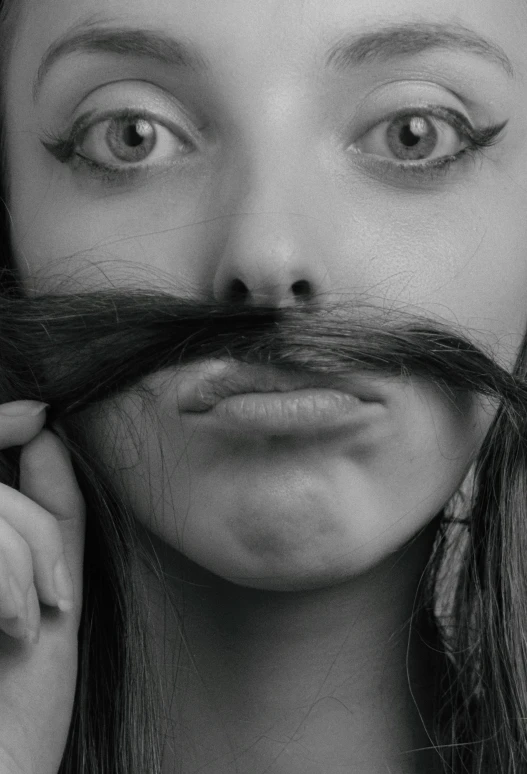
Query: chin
[[306, 578], [306, 581], [308, 545]]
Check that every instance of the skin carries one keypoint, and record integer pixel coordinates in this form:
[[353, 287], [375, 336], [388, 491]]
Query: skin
[[272, 194]]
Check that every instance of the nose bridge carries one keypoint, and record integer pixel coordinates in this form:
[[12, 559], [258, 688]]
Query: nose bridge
[[272, 212], [272, 253], [271, 151]]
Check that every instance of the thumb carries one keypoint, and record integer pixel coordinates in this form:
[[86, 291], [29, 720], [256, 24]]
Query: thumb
[[47, 478]]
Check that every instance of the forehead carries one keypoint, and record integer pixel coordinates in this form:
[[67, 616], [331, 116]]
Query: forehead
[[292, 31]]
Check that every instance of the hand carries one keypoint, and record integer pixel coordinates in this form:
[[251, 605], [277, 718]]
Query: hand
[[38, 525]]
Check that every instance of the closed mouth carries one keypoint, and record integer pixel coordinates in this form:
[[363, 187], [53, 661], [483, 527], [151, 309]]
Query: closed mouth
[[201, 386]]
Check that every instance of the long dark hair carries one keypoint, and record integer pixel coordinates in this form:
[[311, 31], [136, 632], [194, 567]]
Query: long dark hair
[[472, 605]]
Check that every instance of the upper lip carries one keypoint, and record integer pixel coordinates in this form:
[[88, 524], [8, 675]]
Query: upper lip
[[202, 385]]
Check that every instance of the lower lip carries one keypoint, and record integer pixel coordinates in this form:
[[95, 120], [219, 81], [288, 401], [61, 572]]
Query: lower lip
[[283, 413]]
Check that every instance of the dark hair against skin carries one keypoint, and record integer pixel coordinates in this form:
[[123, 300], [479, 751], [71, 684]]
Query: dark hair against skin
[[51, 348], [52, 345], [125, 335]]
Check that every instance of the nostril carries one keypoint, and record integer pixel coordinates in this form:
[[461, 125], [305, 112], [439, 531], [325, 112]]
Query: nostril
[[301, 289], [238, 292]]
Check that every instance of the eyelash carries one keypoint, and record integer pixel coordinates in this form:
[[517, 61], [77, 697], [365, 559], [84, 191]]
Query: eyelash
[[478, 140], [63, 147]]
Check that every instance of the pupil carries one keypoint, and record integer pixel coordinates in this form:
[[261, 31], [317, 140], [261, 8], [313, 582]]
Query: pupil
[[132, 137], [408, 138], [412, 138]]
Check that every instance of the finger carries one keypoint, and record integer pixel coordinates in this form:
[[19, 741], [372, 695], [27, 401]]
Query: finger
[[11, 602], [20, 421], [19, 617], [32, 542], [26, 625], [47, 478]]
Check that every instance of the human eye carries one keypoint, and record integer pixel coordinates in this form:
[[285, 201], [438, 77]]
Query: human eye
[[119, 146], [424, 140]]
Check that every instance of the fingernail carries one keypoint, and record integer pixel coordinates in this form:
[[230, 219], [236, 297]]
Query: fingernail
[[32, 629], [18, 597], [23, 408], [63, 585]]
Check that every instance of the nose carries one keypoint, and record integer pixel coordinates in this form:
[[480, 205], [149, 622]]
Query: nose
[[269, 259], [278, 240]]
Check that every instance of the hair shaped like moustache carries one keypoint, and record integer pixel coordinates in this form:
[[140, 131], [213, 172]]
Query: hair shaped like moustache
[[75, 350]]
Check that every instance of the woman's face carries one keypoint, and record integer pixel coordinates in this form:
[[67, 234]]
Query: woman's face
[[293, 152]]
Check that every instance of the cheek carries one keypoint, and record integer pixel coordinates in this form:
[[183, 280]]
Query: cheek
[[65, 230], [460, 257]]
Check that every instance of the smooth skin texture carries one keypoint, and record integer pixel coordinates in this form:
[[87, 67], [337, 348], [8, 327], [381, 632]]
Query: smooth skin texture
[[272, 169]]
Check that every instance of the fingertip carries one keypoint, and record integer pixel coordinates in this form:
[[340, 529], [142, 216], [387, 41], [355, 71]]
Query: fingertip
[[44, 452], [47, 476], [23, 408], [20, 422], [48, 439]]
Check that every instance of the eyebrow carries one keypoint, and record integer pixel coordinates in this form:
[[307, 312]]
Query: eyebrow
[[378, 45], [397, 41], [125, 41]]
